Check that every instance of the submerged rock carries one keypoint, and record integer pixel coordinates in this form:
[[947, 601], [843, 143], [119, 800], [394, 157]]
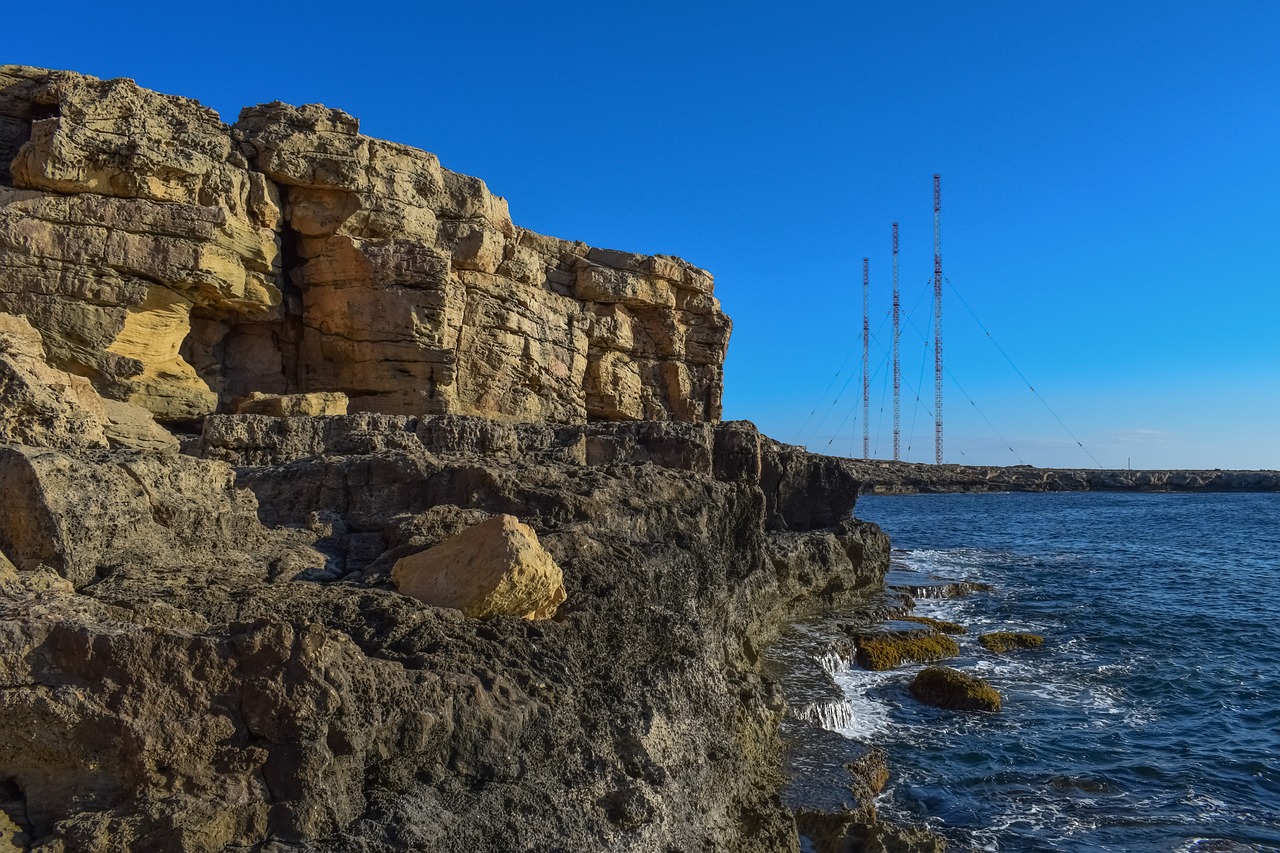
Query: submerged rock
[[949, 688], [1005, 641], [940, 625]]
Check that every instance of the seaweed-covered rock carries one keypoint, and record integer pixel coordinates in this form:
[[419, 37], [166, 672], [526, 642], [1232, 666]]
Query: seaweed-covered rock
[[942, 626], [949, 688], [886, 649], [1006, 641]]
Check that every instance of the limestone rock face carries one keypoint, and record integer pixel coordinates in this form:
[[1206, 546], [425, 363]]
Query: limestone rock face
[[39, 405], [494, 568], [182, 264], [122, 212]]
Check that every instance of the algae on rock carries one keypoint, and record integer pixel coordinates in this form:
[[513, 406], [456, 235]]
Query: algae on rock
[[954, 690]]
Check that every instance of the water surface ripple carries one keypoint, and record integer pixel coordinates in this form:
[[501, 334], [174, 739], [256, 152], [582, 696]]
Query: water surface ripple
[[1150, 721]]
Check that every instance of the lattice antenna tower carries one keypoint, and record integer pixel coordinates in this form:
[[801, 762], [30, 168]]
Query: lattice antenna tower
[[866, 359], [937, 317], [897, 368]]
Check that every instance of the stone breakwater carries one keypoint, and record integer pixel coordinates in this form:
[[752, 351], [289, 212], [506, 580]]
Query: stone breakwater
[[202, 647], [890, 478]]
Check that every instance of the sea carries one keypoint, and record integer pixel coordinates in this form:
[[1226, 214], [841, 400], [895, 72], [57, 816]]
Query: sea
[[1150, 718]]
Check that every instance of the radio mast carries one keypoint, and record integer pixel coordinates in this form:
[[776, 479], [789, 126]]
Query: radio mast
[[897, 369], [866, 361], [937, 317]]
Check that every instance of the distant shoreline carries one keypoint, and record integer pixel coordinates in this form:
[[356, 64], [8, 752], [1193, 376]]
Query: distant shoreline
[[883, 477]]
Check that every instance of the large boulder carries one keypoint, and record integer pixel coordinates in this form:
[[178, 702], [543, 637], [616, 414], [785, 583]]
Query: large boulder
[[494, 568]]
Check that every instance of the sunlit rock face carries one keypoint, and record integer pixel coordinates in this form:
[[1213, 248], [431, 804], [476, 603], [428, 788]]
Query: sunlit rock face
[[182, 264]]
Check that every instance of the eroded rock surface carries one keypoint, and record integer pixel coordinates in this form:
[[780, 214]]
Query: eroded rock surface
[[205, 682], [182, 264]]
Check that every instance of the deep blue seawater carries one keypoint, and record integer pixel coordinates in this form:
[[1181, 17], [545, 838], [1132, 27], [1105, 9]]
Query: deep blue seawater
[[1150, 720]]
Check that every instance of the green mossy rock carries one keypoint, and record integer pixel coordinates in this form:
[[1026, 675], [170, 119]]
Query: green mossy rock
[[1005, 641], [940, 625], [944, 687], [888, 649]]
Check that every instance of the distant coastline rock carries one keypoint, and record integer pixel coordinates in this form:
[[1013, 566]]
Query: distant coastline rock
[[1005, 641], [883, 477]]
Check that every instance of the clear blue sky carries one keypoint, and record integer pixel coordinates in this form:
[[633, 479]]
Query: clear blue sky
[[1110, 181]]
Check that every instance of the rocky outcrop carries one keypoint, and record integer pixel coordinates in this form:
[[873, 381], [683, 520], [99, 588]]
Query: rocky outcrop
[[954, 690], [294, 405], [125, 211], [182, 264], [898, 478], [206, 681], [206, 650]]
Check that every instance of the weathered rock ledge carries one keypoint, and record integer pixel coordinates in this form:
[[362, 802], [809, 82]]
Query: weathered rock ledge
[[886, 477], [182, 676]]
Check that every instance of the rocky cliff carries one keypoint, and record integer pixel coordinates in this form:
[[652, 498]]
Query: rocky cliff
[[181, 264], [201, 644]]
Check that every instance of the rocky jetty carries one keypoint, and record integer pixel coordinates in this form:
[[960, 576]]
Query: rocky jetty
[[884, 477], [359, 359]]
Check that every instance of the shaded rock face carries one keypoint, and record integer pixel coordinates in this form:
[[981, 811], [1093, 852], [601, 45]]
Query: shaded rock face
[[186, 678], [42, 406], [182, 264]]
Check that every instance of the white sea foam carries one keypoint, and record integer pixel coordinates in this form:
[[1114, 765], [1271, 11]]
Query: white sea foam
[[868, 716], [835, 715]]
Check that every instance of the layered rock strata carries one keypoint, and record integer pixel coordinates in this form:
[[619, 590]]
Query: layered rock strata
[[183, 264]]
